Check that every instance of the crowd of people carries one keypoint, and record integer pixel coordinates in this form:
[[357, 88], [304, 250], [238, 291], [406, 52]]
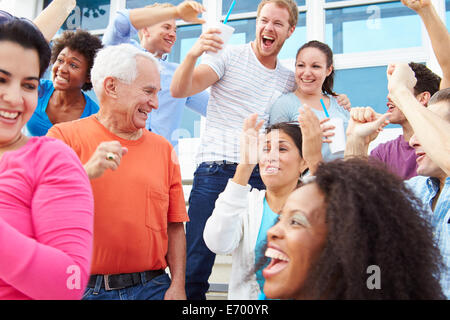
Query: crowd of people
[[91, 197]]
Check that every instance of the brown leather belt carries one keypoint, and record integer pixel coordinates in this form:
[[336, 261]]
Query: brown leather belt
[[123, 280]]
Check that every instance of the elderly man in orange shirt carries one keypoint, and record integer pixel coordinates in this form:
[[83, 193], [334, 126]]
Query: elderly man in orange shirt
[[136, 181]]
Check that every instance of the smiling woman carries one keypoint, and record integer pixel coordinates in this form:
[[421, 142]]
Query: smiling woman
[[62, 99], [351, 216], [242, 216], [46, 203]]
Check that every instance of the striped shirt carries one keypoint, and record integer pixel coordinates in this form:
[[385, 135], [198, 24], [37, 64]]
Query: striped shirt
[[426, 189], [244, 87]]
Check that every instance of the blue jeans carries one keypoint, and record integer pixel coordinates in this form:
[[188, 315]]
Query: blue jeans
[[209, 181], [154, 289]]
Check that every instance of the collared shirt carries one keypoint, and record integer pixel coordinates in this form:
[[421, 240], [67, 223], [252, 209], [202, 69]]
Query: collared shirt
[[426, 189], [165, 120]]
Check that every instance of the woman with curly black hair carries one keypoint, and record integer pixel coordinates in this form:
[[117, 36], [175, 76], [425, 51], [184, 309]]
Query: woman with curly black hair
[[353, 232], [62, 99]]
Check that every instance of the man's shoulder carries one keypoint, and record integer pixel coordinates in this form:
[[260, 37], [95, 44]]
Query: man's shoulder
[[385, 147], [156, 139]]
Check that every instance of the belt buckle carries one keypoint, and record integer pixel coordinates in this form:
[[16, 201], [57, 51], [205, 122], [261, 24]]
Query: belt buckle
[[106, 279]]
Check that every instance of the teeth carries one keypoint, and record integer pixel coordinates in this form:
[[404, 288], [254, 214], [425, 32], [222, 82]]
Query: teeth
[[268, 38], [271, 170], [59, 78], [275, 254], [307, 81], [142, 111], [9, 115]]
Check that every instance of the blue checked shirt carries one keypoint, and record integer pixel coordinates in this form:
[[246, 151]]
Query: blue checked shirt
[[426, 189]]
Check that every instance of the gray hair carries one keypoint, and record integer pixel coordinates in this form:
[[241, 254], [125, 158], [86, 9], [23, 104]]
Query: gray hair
[[118, 62]]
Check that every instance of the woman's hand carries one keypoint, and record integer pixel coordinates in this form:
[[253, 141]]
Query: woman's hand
[[344, 101], [312, 135], [249, 150], [249, 141]]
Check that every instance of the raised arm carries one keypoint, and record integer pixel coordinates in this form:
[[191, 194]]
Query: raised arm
[[147, 16], [439, 36], [430, 129], [53, 16], [223, 230], [249, 150], [188, 79]]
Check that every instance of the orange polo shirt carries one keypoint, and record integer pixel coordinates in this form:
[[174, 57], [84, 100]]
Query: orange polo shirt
[[132, 204]]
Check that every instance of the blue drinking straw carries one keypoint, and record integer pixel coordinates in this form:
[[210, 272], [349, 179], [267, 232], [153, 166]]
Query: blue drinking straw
[[324, 108], [229, 12]]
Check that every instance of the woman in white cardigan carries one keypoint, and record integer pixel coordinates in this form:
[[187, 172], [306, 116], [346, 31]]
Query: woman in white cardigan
[[242, 216]]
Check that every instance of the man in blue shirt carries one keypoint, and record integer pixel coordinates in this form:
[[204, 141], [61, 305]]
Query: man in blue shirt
[[431, 127], [156, 28], [432, 186]]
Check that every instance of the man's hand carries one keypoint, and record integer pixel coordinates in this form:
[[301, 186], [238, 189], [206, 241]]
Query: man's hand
[[400, 76], [208, 41], [366, 124], [189, 11], [416, 5], [107, 156], [175, 293]]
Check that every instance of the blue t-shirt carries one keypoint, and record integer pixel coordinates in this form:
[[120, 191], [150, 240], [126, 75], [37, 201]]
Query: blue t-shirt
[[285, 109], [268, 220], [39, 123], [166, 120]]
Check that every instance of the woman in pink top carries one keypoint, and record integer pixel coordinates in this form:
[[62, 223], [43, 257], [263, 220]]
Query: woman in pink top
[[46, 203]]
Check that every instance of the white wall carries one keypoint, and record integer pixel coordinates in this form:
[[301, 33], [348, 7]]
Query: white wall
[[20, 8]]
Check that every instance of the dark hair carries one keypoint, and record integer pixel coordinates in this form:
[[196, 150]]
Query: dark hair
[[292, 130], [441, 95], [427, 80], [28, 36], [327, 86], [373, 219], [82, 42]]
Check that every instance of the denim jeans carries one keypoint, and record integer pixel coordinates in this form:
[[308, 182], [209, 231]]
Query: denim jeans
[[209, 181], [154, 289]]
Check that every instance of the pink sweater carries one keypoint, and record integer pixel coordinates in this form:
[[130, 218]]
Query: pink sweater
[[46, 222]]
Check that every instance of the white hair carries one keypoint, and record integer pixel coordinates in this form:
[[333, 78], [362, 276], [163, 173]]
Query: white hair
[[118, 62]]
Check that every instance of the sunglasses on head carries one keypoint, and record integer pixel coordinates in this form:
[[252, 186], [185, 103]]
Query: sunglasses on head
[[6, 17]]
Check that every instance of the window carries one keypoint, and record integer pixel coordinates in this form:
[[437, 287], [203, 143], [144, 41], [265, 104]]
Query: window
[[88, 15], [296, 40], [377, 27], [364, 87], [186, 37], [132, 4], [246, 6]]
